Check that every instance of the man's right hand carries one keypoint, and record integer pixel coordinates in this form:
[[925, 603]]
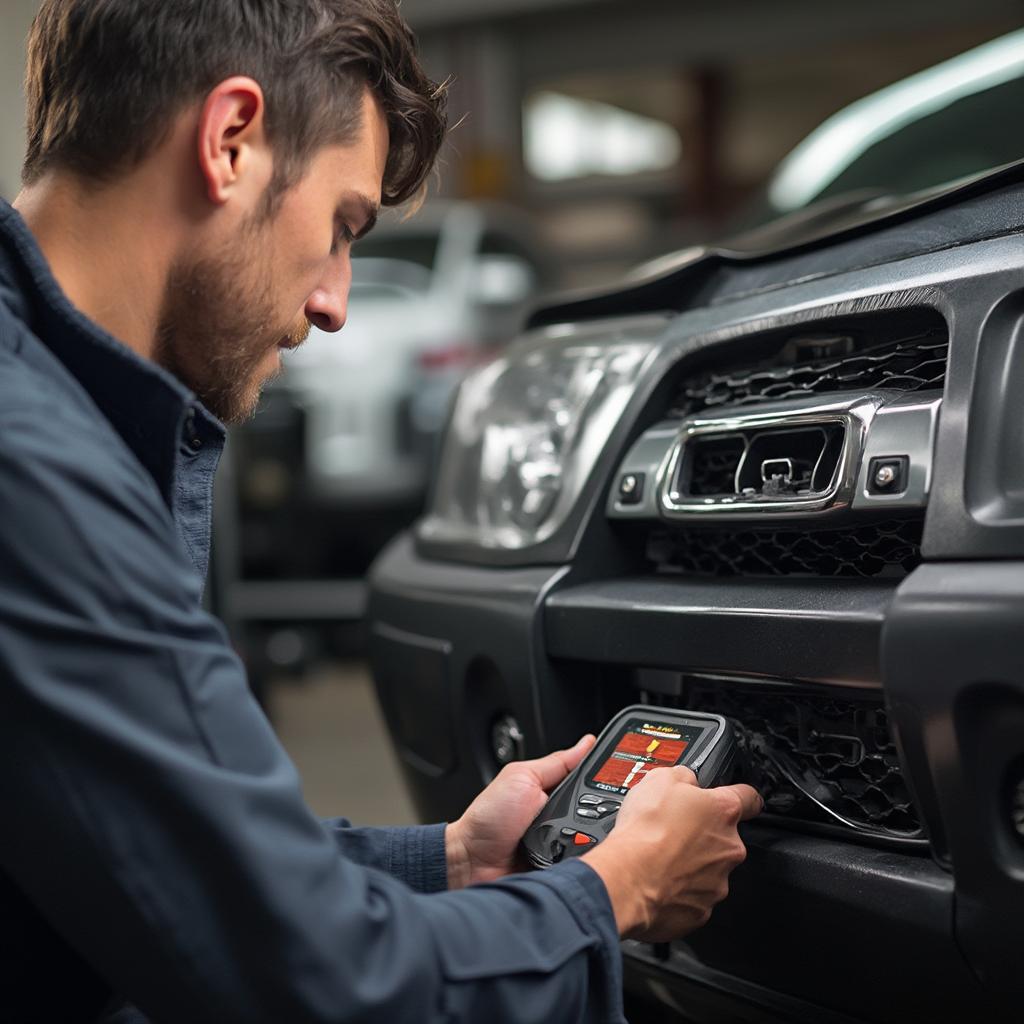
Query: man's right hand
[[667, 862]]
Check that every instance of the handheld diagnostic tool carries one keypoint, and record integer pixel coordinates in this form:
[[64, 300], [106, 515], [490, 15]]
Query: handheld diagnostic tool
[[639, 739]]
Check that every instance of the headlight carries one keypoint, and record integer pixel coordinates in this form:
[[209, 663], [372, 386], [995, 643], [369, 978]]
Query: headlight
[[526, 431]]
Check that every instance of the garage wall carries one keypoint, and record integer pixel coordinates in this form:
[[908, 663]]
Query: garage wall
[[15, 18]]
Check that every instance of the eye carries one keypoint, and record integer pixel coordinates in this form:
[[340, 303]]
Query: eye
[[344, 236]]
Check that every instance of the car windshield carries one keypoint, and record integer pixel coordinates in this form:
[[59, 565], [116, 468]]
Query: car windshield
[[948, 122]]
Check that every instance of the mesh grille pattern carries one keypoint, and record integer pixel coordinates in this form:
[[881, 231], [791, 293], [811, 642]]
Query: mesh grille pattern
[[714, 467], [839, 748], [890, 548], [909, 364]]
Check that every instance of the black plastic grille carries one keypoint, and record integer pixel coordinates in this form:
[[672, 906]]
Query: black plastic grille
[[911, 363], [714, 466], [839, 749], [886, 549]]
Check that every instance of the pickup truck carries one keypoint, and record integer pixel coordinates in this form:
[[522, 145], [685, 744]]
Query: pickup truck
[[779, 479]]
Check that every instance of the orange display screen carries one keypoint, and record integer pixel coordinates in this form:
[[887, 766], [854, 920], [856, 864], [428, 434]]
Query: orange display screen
[[641, 747]]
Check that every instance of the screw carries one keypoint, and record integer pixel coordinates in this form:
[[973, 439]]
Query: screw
[[628, 485], [507, 740], [884, 476]]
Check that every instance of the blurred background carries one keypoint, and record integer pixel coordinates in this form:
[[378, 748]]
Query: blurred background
[[591, 136]]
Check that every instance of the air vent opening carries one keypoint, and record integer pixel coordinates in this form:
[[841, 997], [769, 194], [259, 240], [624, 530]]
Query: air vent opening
[[887, 549], [775, 463], [798, 461], [904, 350], [711, 464]]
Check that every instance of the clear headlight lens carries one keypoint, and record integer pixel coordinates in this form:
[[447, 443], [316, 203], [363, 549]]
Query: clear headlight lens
[[525, 434]]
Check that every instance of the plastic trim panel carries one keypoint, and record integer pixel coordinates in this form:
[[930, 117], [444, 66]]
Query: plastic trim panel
[[821, 631], [954, 673]]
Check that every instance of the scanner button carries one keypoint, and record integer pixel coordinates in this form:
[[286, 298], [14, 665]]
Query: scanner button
[[589, 800], [567, 832], [582, 839], [587, 812], [604, 809]]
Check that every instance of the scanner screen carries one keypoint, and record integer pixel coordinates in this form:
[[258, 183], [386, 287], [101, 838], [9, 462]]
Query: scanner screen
[[641, 747]]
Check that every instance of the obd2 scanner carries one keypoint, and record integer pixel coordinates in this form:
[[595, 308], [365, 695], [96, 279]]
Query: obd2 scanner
[[582, 809]]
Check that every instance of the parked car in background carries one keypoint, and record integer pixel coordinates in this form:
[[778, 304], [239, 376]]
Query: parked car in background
[[944, 123], [337, 458], [431, 297], [779, 479]]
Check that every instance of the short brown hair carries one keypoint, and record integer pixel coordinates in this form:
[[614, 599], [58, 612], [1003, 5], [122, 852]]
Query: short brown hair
[[106, 78]]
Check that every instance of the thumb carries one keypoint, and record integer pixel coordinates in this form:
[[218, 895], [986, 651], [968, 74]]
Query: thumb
[[551, 769]]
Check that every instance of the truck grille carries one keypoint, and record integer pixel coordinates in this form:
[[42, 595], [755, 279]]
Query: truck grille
[[752, 458], [912, 363], [891, 548], [805, 747]]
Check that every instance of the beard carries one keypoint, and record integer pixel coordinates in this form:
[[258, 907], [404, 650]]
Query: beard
[[217, 329]]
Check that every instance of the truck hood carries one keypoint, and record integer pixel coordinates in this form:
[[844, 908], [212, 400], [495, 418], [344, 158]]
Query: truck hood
[[661, 282]]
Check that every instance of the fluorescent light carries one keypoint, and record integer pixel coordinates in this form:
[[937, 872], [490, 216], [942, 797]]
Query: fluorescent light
[[566, 137]]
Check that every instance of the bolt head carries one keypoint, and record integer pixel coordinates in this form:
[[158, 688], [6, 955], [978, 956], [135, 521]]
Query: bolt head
[[885, 476]]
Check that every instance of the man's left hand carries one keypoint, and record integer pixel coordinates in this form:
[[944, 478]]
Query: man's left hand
[[484, 843]]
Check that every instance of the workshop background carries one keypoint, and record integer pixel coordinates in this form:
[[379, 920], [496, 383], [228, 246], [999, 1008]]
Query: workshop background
[[590, 136]]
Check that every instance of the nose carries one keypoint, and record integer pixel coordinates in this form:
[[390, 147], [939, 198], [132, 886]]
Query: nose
[[327, 305]]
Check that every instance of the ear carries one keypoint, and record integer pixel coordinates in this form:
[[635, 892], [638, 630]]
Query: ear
[[231, 138]]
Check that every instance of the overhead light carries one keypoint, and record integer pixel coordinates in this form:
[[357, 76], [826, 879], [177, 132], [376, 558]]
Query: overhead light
[[566, 137]]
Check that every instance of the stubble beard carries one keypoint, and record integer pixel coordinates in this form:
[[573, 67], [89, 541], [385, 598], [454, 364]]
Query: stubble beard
[[217, 326]]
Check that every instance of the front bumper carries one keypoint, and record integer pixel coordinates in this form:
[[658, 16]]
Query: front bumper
[[816, 925]]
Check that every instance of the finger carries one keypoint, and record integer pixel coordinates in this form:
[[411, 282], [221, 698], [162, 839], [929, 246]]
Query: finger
[[550, 770], [687, 775], [751, 803]]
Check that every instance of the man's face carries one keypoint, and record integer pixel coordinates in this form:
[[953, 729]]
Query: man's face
[[227, 314]]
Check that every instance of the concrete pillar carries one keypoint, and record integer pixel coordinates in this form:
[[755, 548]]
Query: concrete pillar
[[484, 156]]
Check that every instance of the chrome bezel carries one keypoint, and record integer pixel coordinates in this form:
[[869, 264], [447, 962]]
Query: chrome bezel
[[854, 414]]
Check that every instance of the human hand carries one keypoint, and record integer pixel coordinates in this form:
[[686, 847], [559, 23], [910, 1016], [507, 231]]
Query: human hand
[[667, 862], [484, 843]]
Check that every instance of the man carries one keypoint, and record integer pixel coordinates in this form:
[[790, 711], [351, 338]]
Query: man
[[196, 174]]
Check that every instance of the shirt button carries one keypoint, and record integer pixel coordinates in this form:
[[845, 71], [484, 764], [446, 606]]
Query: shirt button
[[192, 438]]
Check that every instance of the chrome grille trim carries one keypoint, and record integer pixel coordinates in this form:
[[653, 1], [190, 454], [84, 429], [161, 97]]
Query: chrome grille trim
[[854, 413]]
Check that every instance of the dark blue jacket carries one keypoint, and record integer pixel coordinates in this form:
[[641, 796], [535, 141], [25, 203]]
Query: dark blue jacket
[[154, 843]]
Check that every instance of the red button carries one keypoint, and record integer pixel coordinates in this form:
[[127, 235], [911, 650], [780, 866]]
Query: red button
[[582, 839]]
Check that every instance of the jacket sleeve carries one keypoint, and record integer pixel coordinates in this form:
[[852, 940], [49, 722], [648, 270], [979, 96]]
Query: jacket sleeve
[[415, 854], [151, 815]]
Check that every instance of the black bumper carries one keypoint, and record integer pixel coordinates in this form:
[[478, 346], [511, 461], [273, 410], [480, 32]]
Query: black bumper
[[817, 927]]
